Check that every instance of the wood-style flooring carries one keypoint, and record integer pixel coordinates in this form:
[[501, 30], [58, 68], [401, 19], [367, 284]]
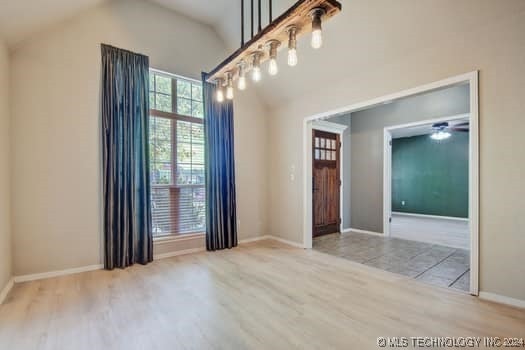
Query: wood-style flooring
[[262, 295]]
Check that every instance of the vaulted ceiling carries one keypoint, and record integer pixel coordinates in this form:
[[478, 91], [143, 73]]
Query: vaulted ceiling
[[358, 39]]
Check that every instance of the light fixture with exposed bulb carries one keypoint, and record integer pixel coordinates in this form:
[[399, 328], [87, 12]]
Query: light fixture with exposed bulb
[[229, 86], [220, 91], [272, 66], [241, 84], [317, 30], [256, 66], [292, 45]]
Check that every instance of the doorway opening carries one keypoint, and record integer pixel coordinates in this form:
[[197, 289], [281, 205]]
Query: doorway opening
[[430, 236]]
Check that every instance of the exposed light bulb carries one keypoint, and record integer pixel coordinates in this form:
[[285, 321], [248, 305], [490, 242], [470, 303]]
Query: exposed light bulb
[[292, 45], [256, 74], [229, 92], [317, 39], [317, 31], [272, 67], [220, 95], [292, 57], [229, 87], [241, 84], [256, 66], [220, 91]]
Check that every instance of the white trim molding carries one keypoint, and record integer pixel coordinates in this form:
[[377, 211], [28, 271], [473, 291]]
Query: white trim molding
[[496, 298], [6, 290], [274, 238], [430, 216], [367, 232], [323, 125], [39, 276], [285, 241], [178, 252], [253, 239]]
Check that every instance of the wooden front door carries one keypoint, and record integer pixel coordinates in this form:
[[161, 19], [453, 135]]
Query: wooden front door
[[326, 182]]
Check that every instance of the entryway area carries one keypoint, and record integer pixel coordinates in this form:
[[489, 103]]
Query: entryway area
[[403, 182]]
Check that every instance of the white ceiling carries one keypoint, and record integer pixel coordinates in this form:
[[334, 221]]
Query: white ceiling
[[356, 41]]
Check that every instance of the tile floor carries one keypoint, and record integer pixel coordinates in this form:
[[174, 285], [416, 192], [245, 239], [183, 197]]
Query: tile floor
[[431, 263]]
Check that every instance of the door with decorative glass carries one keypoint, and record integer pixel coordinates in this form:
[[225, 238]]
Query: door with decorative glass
[[326, 182]]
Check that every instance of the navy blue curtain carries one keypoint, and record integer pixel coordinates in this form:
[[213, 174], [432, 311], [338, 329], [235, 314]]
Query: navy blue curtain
[[221, 215], [125, 112]]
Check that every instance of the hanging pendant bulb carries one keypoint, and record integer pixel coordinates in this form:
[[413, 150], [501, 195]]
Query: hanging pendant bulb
[[256, 66], [292, 45], [241, 84], [229, 86], [272, 67], [220, 91], [317, 30]]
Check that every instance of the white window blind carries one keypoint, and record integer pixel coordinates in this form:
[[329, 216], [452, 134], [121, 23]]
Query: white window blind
[[176, 155]]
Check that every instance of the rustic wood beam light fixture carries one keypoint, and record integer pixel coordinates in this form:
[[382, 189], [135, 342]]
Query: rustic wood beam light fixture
[[305, 16]]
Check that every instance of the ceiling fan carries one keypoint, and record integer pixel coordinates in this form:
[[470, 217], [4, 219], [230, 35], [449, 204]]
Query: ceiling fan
[[441, 131]]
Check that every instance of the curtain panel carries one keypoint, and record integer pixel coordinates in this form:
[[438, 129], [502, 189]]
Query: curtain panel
[[126, 186], [221, 215]]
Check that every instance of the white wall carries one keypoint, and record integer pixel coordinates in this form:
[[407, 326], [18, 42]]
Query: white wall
[[55, 126], [5, 191], [460, 44]]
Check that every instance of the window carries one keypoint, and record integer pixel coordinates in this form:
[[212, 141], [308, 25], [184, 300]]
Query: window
[[176, 155]]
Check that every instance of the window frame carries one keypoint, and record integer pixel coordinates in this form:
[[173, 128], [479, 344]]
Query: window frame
[[174, 117]]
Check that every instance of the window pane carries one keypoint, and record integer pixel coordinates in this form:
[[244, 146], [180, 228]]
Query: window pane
[[197, 109], [184, 130], [163, 103], [183, 174], [183, 89], [160, 128], [184, 106], [160, 150], [152, 100], [197, 174], [151, 81], [197, 154], [160, 173], [163, 84], [196, 92], [197, 133], [183, 152]]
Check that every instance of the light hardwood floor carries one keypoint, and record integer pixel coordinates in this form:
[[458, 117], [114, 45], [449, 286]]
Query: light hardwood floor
[[262, 295]]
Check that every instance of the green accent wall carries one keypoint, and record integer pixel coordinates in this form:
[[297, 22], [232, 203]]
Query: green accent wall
[[431, 177]]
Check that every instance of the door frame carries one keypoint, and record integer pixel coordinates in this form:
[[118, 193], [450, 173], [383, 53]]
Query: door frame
[[334, 128], [472, 79], [387, 162]]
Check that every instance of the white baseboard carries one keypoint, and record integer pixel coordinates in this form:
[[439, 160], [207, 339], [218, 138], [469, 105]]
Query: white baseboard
[[39, 276], [430, 216], [285, 241], [502, 299], [178, 252], [346, 230], [275, 238], [254, 239], [6, 290], [365, 231]]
